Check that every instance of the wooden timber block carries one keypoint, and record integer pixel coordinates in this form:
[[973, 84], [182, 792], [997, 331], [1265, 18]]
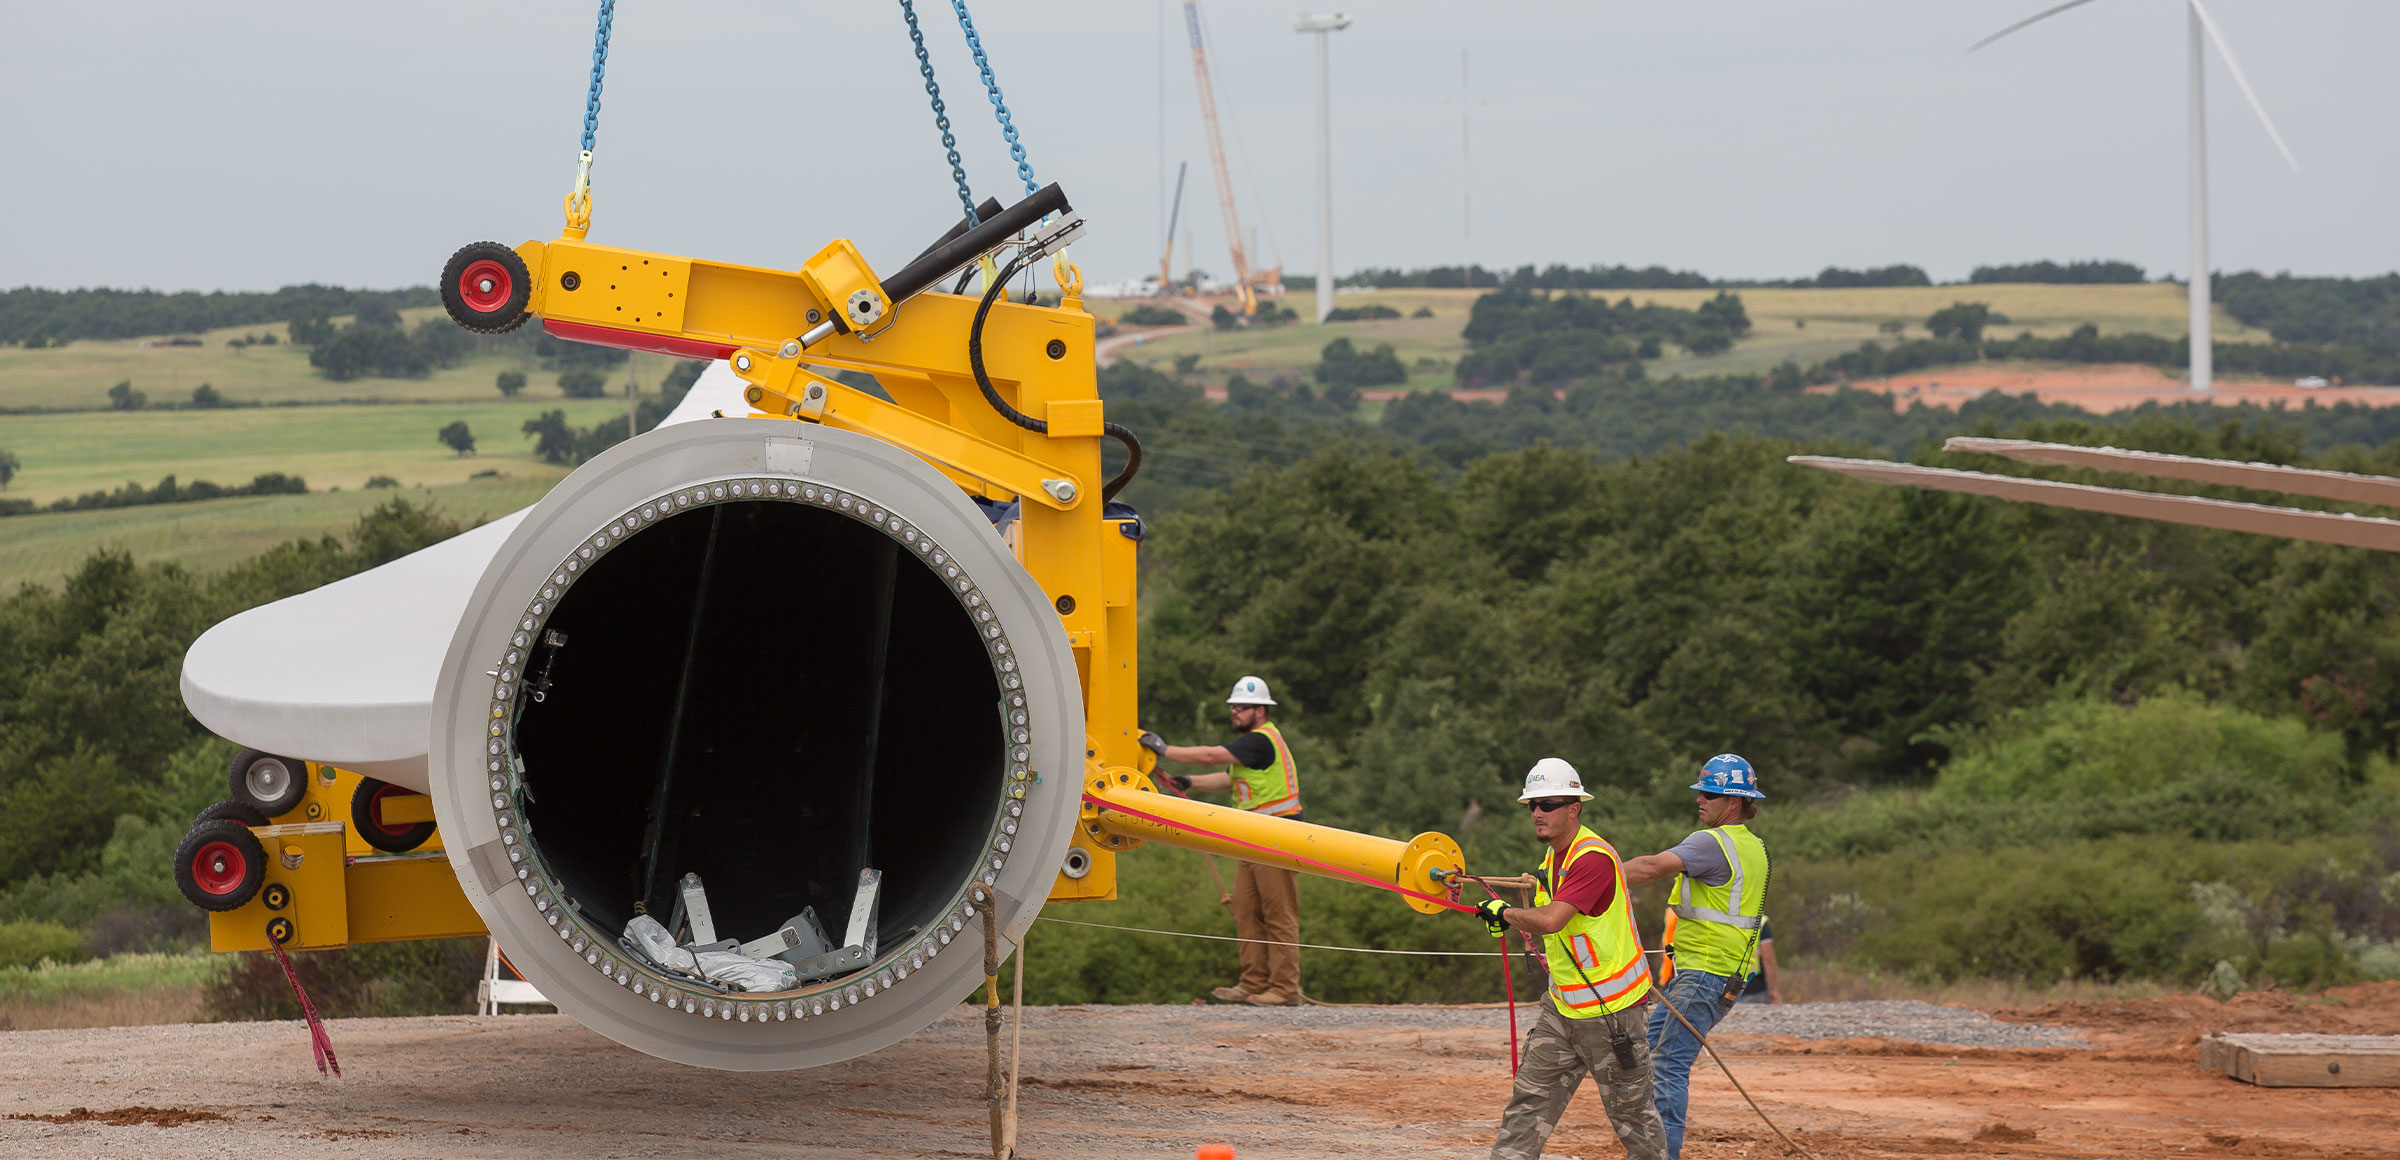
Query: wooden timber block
[[2305, 1060]]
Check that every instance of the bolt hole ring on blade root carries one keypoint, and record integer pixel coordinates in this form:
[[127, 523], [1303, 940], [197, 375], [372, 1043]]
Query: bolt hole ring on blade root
[[485, 287], [772, 655]]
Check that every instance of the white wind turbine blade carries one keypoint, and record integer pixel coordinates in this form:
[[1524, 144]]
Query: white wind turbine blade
[[2231, 65], [2033, 19]]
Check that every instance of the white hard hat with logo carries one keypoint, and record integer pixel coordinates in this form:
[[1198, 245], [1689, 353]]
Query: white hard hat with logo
[[1552, 777], [1249, 691]]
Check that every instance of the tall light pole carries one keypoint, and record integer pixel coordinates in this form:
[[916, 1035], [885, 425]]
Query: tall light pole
[[1323, 26], [2196, 295]]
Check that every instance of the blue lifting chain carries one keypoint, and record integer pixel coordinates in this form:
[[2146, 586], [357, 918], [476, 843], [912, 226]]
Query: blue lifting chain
[[1008, 129], [579, 203], [941, 115], [591, 104]]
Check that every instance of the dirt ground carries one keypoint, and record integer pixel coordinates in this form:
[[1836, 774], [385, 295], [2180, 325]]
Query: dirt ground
[[2103, 387], [1116, 1083]]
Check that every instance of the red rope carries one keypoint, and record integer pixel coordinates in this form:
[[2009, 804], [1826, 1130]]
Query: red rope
[[319, 1043], [1507, 984]]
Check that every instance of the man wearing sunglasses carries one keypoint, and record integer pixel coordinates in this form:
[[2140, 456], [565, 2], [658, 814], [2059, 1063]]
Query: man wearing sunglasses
[[1718, 907], [1599, 984]]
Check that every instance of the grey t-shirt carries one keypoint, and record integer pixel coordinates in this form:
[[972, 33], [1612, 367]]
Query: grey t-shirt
[[1703, 860]]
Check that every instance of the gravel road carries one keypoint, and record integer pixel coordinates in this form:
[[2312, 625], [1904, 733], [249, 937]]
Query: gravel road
[[1908, 1019], [1101, 1083]]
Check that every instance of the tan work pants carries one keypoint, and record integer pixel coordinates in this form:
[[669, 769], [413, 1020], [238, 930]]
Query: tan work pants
[[1266, 905], [1558, 1053]]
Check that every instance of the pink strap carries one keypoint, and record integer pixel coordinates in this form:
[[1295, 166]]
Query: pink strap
[[319, 1043]]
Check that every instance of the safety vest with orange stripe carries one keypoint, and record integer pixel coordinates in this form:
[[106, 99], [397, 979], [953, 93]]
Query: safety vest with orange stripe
[[1273, 790], [1596, 963]]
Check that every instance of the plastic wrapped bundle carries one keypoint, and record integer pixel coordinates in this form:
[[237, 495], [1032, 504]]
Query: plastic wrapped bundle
[[743, 973], [655, 944]]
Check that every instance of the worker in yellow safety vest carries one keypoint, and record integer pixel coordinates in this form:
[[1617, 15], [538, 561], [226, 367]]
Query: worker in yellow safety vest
[[1599, 985], [1266, 899], [1718, 907]]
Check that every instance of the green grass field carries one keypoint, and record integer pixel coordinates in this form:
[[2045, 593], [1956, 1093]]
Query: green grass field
[[78, 376], [211, 534], [374, 427], [332, 446], [1803, 325]]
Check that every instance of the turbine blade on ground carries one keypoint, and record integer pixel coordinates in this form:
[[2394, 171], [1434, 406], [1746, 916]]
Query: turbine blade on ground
[[2258, 519], [2382, 490], [2033, 19], [2233, 66]]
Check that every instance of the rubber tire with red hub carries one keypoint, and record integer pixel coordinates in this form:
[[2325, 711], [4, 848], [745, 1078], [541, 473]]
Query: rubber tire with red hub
[[271, 784], [220, 865], [367, 819], [485, 287]]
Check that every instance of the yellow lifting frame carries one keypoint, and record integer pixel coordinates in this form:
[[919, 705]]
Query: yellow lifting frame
[[1041, 361]]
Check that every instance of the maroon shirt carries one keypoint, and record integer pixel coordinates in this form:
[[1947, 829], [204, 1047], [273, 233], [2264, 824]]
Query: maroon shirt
[[1590, 884]]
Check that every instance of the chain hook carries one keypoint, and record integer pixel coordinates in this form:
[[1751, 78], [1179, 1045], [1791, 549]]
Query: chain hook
[[579, 202]]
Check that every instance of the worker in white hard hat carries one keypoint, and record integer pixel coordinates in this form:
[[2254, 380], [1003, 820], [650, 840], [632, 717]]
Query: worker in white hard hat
[[1595, 1022], [1716, 918], [1266, 899]]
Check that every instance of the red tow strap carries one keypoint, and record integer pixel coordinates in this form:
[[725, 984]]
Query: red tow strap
[[1507, 984], [319, 1043]]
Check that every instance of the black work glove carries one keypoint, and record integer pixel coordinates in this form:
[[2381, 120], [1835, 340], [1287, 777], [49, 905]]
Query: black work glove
[[1181, 782], [1154, 743], [1491, 909]]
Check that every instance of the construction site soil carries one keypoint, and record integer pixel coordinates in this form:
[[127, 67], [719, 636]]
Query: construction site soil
[[1111, 1083]]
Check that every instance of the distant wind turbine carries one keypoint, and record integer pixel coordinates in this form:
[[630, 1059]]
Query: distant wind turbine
[[2202, 337]]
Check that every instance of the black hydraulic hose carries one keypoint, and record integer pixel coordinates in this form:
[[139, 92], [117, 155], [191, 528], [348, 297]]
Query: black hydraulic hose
[[990, 235], [983, 310], [983, 213], [1133, 459], [991, 394]]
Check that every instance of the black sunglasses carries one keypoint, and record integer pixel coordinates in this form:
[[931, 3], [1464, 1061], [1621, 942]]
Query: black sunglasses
[[1542, 807], [1711, 797]]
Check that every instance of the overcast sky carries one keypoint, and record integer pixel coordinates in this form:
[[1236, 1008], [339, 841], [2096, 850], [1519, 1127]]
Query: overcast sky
[[245, 144]]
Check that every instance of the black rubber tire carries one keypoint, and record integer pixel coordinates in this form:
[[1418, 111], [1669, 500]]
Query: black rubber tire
[[257, 785], [242, 812], [497, 318], [371, 828], [236, 865]]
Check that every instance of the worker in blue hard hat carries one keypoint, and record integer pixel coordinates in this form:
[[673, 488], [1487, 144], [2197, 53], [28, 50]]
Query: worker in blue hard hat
[[1718, 907], [1266, 899]]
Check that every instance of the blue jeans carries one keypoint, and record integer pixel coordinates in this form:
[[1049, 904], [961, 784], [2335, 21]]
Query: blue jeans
[[1700, 996]]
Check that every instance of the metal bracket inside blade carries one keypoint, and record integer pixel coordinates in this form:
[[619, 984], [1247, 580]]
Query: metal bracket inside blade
[[858, 945]]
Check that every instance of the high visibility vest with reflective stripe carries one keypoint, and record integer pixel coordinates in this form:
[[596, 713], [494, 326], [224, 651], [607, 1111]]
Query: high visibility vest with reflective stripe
[[1273, 790], [1715, 924], [1596, 965]]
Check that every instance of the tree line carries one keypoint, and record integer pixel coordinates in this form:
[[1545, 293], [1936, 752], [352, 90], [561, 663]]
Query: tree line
[[1563, 277], [55, 316], [1957, 702], [2349, 311], [1542, 337], [165, 491]]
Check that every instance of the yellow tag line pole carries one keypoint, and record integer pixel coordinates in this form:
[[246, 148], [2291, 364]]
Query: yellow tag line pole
[[1421, 864]]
